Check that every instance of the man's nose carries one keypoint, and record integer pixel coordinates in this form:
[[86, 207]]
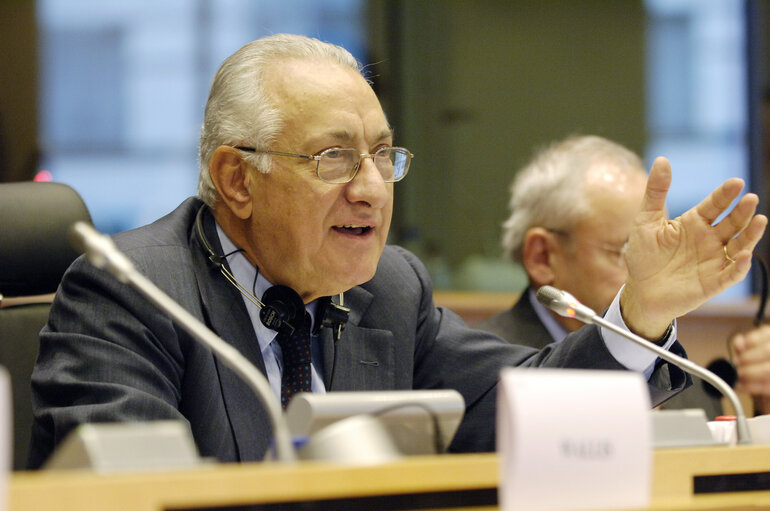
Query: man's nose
[[368, 184]]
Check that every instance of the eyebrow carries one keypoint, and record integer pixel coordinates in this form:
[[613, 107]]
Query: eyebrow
[[347, 137], [386, 134]]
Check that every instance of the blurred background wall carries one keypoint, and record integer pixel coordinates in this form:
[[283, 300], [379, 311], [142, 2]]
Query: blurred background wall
[[108, 96], [18, 90]]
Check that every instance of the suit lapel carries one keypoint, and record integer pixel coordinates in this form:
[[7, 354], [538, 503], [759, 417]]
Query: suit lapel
[[365, 357], [228, 318], [527, 324]]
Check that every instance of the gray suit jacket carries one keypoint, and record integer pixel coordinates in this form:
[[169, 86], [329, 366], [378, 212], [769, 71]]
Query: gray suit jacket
[[520, 324], [107, 354]]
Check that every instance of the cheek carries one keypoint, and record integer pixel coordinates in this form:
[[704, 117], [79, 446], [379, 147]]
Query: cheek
[[387, 216], [614, 274], [595, 274], [609, 283], [293, 211]]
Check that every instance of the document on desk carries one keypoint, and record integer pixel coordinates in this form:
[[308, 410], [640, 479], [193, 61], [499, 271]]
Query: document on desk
[[573, 439]]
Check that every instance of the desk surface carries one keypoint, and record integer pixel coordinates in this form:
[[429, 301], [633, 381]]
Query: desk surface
[[453, 481], [450, 481]]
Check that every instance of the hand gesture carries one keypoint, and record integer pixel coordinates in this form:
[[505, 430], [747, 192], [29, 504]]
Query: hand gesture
[[676, 265]]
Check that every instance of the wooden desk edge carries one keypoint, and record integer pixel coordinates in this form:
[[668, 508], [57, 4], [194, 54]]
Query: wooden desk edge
[[249, 483], [254, 483]]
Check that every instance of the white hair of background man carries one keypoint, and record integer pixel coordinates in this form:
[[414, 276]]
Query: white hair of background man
[[549, 191]]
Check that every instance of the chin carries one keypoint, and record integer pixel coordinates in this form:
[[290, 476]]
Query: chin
[[360, 275], [345, 273]]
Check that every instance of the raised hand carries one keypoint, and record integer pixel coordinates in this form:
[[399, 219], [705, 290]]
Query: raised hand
[[674, 266]]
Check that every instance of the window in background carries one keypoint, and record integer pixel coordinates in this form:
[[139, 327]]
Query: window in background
[[697, 115], [124, 84]]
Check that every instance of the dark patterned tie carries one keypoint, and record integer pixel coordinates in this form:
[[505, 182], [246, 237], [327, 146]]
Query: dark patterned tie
[[295, 348]]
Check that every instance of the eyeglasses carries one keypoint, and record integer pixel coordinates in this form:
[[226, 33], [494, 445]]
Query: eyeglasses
[[340, 165], [618, 252]]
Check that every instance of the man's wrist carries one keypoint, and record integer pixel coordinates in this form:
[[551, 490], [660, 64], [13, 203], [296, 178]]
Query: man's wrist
[[661, 341], [637, 322]]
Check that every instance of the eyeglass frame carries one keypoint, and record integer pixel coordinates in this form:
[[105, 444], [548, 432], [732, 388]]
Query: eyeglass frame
[[619, 252], [318, 157]]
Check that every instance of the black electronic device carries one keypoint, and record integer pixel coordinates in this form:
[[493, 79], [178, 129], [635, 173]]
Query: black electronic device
[[280, 306]]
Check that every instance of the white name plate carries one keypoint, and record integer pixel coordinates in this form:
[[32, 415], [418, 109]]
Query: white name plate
[[573, 439]]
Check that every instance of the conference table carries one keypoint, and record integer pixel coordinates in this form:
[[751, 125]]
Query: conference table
[[702, 478]]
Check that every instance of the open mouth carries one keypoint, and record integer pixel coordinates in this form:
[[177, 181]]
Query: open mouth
[[355, 230]]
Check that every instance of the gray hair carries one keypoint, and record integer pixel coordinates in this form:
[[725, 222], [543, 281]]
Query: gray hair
[[549, 191], [238, 111]]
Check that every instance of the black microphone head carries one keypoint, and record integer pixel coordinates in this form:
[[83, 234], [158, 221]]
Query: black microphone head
[[725, 370]]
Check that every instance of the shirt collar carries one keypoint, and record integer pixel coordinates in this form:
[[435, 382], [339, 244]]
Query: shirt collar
[[244, 273], [558, 332]]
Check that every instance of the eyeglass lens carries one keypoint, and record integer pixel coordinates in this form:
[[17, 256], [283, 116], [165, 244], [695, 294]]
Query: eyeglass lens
[[340, 165]]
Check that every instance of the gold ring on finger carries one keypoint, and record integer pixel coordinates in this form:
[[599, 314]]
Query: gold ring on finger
[[727, 256]]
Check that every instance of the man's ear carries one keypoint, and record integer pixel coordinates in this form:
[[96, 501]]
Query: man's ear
[[536, 256], [229, 173]]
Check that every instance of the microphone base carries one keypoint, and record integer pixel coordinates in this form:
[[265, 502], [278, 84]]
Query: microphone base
[[357, 440], [681, 428]]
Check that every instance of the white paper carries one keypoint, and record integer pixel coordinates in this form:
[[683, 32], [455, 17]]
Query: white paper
[[725, 431], [759, 429], [573, 439]]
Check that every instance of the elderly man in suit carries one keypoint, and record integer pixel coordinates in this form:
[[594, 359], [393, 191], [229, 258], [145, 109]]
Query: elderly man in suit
[[573, 209], [298, 166]]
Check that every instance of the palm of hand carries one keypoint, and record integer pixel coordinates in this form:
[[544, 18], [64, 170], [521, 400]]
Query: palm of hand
[[674, 266]]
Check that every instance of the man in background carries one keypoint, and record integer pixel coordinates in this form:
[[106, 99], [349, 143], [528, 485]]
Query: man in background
[[572, 211]]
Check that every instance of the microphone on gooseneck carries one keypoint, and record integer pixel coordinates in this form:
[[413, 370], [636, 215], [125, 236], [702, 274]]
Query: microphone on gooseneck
[[564, 304], [102, 253], [568, 306]]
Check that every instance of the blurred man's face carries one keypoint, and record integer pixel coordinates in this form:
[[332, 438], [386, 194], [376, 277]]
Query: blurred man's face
[[589, 263]]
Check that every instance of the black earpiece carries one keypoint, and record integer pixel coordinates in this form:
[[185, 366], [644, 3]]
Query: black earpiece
[[215, 258], [281, 308]]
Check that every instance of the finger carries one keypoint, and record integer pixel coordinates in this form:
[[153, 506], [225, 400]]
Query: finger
[[734, 272], [754, 342], [738, 219], [755, 379], [719, 200], [730, 273], [761, 404], [756, 388], [658, 184], [748, 239], [753, 365], [739, 344], [752, 357]]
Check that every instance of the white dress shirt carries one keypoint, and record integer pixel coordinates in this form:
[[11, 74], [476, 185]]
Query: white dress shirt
[[628, 353], [244, 272]]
